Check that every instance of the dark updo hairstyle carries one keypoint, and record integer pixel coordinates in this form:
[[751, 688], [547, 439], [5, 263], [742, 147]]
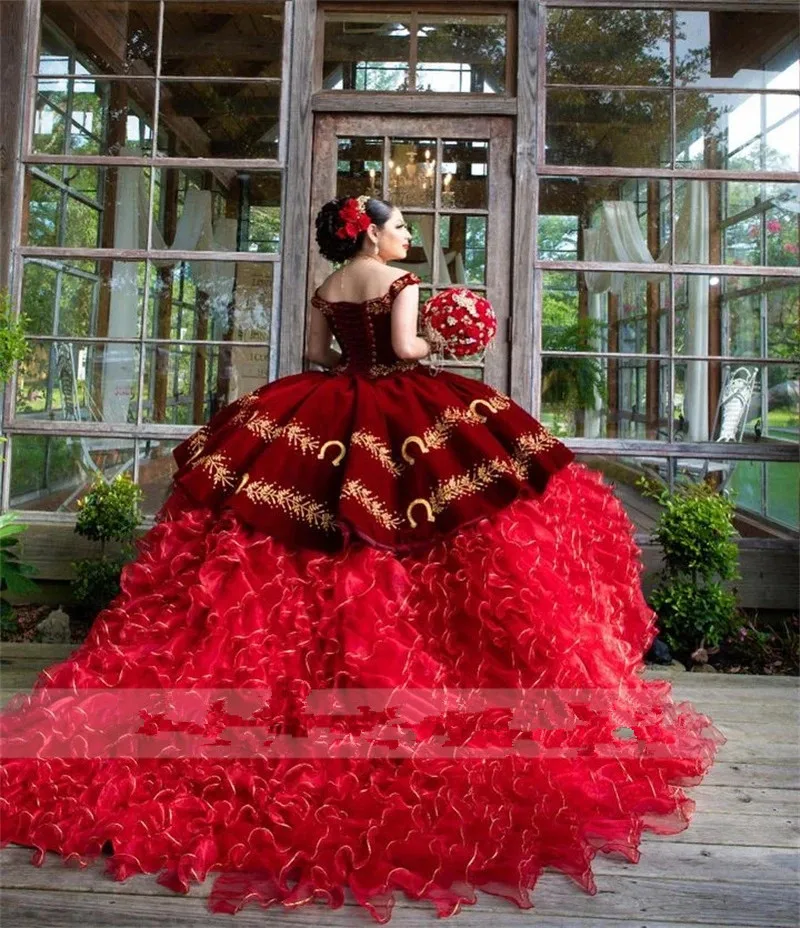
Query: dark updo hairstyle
[[337, 249]]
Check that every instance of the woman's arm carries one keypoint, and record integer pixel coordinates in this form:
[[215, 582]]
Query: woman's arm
[[319, 341], [405, 319]]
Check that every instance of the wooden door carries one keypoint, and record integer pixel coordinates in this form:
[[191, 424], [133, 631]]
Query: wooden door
[[451, 177]]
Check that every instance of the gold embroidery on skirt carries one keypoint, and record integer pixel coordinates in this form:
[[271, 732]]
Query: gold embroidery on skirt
[[264, 426], [478, 478], [296, 504], [217, 466], [378, 449], [197, 442], [355, 489], [333, 443], [245, 408]]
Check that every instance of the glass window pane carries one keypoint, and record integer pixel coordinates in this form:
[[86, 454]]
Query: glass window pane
[[737, 48], [359, 166], [156, 467], [608, 46], [79, 382], [51, 473], [83, 298], [463, 256], [461, 54], [465, 173], [619, 128], [212, 301], [366, 51], [624, 219], [738, 132], [91, 116], [230, 40], [411, 173], [188, 384], [596, 311], [746, 307], [113, 37], [237, 120]]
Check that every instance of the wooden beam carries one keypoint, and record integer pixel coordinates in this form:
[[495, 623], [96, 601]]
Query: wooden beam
[[337, 101], [13, 29], [297, 190]]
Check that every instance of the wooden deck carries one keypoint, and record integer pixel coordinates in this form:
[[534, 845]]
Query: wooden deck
[[736, 864]]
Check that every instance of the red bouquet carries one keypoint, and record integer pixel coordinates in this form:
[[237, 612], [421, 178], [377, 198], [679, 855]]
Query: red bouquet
[[466, 322]]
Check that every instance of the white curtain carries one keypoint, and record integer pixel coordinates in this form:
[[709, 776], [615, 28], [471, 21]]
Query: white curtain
[[196, 231], [617, 237]]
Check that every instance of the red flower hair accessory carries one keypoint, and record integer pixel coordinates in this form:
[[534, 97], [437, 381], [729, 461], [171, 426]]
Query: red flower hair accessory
[[465, 321], [354, 216]]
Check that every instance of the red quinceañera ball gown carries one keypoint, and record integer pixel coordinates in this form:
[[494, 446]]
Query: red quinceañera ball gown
[[386, 634]]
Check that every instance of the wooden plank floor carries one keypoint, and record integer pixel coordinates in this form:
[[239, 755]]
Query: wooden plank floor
[[736, 864]]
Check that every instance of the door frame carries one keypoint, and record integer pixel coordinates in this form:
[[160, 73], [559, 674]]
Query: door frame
[[499, 130]]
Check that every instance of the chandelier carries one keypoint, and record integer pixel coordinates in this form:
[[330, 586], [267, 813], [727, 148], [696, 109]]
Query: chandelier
[[412, 183]]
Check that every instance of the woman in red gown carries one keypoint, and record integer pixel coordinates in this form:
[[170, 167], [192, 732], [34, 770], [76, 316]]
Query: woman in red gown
[[386, 633]]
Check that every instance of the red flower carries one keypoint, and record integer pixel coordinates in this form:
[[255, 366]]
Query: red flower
[[355, 220]]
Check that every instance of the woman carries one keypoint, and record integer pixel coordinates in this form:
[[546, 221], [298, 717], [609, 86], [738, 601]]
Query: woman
[[420, 623]]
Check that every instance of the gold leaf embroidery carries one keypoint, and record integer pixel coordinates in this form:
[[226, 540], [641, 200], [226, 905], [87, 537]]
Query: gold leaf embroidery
[[245, 408], [264, 426], [217, 466], [478, 478], [528, 446], [296, 504], [197, 442], [298, 436], [378, 449], [355, 489], [436, 436]]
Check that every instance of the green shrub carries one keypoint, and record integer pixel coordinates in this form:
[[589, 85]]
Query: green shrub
[[110, 511], [13, 343], [14, 572], [695, 531]]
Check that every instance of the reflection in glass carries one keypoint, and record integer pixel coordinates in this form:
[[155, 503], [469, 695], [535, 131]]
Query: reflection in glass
[[598, 311], [366, 51], [412, 168], [463, 257], [465, 174], [132, 23], [593, 397], [91, 116], [79, 382], [188, 384], [212, 301], [770, 489], [629, 218], [156, 467], [51, 473], [65, 206], [461, 54], [738, 132], [229, 40], [726, 48], [747, 307], [616, 128], [359, 166], [83, 298], [237, 120], [608, 46]]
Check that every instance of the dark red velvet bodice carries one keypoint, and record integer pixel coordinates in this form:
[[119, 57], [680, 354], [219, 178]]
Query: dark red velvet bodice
[[378, 447]]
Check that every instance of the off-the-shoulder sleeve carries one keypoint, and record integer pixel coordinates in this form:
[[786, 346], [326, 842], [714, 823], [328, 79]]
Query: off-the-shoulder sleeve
[[401, 283]]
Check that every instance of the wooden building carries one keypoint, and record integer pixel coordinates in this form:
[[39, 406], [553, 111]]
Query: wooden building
[[621, 178]]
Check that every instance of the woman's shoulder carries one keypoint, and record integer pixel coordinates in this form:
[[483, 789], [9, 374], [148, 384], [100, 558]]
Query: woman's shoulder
[[383, 281]]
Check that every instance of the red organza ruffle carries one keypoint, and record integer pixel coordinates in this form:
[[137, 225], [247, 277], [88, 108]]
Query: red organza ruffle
[[545, 597]]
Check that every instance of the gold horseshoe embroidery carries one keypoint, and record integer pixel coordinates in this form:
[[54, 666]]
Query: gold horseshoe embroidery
[[242, 483], [337, 460], [427, 506], [488, 403], [413, 438]]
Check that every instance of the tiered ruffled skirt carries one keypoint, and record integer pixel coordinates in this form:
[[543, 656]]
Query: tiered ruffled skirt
[[495, 722]]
